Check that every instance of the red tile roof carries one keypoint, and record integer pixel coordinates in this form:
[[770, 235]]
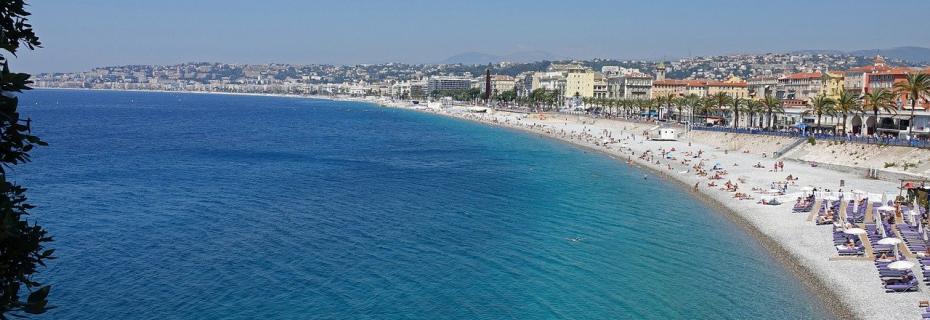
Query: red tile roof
[[726, 84], [698, 83], [804, 75], [868, 69], [670, 82]]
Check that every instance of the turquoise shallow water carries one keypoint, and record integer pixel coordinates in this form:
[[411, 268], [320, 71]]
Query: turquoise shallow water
[[186, 206]]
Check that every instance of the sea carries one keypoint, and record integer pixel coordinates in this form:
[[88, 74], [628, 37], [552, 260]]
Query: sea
[[206, 206]]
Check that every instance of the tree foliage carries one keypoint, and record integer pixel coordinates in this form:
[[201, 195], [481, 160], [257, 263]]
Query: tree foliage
[[915, 86], [22, 245]]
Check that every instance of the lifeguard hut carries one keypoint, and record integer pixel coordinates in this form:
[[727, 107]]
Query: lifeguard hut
[[664, 134]]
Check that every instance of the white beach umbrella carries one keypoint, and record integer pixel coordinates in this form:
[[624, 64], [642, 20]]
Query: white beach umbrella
[[901, 265], [807, 188], [892, 242], [913, 214], [858, 191], [879, 224], [884, 199], [889, 241], [854, 231]]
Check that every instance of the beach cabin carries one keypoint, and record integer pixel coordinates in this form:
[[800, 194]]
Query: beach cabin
[[664, 134]]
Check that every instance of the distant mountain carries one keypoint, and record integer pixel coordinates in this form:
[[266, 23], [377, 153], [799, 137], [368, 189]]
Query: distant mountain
[[910, 54], [471, 58], [816, 51]]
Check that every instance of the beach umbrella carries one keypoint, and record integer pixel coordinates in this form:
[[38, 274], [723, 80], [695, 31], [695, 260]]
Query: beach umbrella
[[884, 199], [807, 188], [854, 231], [885, 208], [914, 214], [889, 241], [901, 265], [892, 242], [879, 224]]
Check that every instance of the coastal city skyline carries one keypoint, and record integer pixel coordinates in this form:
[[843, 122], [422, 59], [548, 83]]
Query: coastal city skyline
[[110, 32], [800, 90]]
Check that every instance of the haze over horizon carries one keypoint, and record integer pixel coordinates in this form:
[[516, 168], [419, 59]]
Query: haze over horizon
[[81, 35]]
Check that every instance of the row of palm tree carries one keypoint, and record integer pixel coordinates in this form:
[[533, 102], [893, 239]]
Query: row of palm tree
[[915, 86], [717, 105], [722, 105]]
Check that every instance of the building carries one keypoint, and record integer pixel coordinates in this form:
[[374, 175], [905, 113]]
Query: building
[[660, 71], [445, 83], [579, 82], [833, 84], [762, 86], [856, 79], [600, 85], [800, 86], [523, 84], [550, 80], [733, 87], [501, 83], [418, 89], [631, 85], [670, 87]]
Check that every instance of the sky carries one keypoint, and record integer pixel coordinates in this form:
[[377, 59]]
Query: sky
[[79, 35]]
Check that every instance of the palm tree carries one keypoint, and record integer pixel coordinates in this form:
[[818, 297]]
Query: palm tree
[[615, 105], [917, 84], [772, 106], [679, 103], [707, 106], [735, 105], [587, 103], [845, 104], [752, 107], [821, 105], [879, 100], [667, 101], [721, 99], [692, 100]]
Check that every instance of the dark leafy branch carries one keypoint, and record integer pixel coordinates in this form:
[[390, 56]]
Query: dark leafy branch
[[22, 244]]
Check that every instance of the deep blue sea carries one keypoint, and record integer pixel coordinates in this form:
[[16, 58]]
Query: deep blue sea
[[192, 206]]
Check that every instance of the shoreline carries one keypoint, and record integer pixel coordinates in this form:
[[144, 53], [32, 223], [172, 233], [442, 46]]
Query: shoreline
[[870, 305], [847, 289], [832, 300]]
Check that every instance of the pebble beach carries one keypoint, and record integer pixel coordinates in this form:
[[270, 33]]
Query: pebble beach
[[849, 287]]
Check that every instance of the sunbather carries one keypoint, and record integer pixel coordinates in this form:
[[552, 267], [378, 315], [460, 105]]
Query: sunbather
[[850, 244], [826, 219]]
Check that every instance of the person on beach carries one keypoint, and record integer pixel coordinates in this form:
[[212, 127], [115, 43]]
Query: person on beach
[[850, 244]]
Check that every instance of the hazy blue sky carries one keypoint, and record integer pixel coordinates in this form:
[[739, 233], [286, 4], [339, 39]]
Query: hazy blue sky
[[82, 34]]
